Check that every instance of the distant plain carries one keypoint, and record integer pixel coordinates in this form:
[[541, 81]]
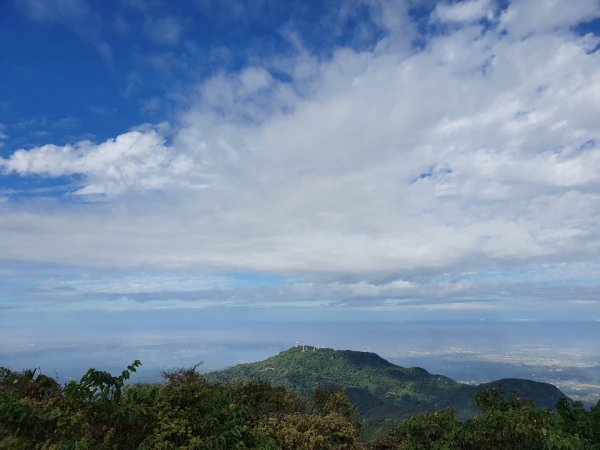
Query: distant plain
[[566, 354]]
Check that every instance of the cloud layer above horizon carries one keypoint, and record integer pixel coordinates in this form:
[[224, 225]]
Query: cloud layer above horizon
[[450, 163]]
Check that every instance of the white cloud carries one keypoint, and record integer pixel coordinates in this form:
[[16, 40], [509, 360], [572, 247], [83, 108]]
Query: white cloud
[[524, 17], [133, 161], [363, 289], [478, 151], [464, 11], [144, 284]]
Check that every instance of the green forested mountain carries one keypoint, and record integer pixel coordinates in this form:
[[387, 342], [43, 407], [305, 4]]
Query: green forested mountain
[[382, 392]]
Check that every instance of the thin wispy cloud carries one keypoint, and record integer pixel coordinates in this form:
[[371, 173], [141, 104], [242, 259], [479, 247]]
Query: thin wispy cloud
[[76, 15], [464, 12], [166, 30]]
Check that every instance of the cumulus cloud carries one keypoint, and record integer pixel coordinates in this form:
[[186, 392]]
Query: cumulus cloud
[[478, 151], [133, 161]]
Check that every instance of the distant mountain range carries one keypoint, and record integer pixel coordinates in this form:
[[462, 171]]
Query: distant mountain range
[[382, 392]]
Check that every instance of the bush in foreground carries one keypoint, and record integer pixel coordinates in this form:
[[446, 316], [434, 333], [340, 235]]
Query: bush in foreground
[[101, 412]]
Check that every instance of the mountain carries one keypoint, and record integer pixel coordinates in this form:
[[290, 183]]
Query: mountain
[[382, 392]]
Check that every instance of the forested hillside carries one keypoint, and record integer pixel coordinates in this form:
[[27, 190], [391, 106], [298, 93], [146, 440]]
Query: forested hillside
[[382, 392]]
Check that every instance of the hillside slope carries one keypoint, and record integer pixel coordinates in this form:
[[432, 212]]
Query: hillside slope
[[382, 392]]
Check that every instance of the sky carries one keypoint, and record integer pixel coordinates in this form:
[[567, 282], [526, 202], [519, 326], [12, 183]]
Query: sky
[[409, 160]]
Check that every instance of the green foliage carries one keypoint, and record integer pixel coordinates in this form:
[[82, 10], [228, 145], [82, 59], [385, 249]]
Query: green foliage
[[507, 423], [91, 413], [188, 412], [270, 401], [100, 386], [311, 432], [329, 401], [574, 419], [439, 430]]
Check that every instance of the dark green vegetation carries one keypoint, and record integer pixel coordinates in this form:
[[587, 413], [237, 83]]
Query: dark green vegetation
[[506, 424], [188, 411], [382, 392], [185, 412]]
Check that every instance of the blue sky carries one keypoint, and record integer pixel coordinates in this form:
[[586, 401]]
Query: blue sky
[[411, 160], [124, 63]]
